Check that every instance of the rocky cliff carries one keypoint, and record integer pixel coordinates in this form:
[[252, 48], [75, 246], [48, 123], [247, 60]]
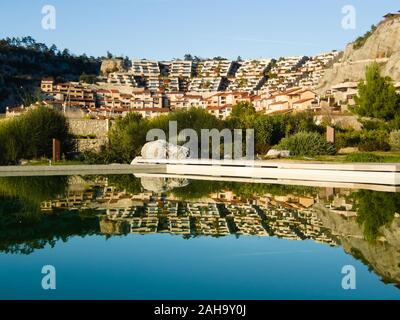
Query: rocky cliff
[[112, 65], [382, 46]]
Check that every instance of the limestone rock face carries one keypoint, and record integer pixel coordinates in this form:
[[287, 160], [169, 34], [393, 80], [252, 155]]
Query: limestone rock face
[[114, 227], [112, 65], [383, 46], [161, 149]]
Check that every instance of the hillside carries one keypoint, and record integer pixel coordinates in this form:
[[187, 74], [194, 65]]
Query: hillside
[[380, 44], [23, 62]]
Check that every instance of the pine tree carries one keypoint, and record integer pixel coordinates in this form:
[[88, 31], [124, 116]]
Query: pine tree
[[377, 97]]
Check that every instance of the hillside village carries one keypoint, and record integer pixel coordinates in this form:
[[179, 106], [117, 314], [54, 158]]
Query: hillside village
[[151, 88], [325, 84]]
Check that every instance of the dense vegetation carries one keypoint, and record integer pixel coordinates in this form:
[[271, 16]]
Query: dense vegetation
[[30, 136], [128, 134], [378, 109], [24, 62], [377, 97]]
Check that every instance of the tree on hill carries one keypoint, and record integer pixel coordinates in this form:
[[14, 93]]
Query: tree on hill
[[188, 57], [360, 41], [24, 62], [377, 97], [243, 115], [88, 78]]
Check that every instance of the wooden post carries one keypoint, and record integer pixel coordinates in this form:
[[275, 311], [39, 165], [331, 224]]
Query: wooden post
[[330, 134], [56, 150]]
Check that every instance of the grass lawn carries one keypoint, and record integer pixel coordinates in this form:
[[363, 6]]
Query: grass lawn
[[378, 157], [47, 162]]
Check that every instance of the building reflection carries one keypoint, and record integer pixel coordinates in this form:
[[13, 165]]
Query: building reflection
[[221, 213]]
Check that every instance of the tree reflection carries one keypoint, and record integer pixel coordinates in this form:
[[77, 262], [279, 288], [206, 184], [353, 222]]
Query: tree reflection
[[23, 226], [198, 189], [34, 189], [374, 211]]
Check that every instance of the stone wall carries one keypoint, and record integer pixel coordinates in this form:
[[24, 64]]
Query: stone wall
[[83, 127], [91, 134], [343, 121], [83, 145]]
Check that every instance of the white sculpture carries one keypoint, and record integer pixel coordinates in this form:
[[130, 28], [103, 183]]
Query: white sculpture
[[278, 153], [159, 185], [161, 149]]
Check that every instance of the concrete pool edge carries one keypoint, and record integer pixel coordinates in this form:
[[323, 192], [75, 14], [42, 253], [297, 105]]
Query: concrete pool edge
[[385, 174]]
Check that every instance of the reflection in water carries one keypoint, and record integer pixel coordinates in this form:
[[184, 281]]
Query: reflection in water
[[375, 210], [39, 211]]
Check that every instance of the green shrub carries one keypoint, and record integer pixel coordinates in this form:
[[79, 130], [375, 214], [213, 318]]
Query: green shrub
[[394, 140], [375, 124], [271, 129], [30, 136], [348, 139], [366, 140], [375, 140], [363, 157], [306, 144]]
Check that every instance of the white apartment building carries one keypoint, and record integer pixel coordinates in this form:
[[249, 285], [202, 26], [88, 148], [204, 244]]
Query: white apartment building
[[205, 84], [145, 68], [214, 68], [180, 68], [122, 79], [250, 75]]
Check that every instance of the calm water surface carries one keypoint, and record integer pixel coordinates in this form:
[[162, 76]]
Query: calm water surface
[[121, 237]]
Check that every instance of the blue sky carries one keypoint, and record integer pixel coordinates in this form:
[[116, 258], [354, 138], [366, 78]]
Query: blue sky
[[164, 29]]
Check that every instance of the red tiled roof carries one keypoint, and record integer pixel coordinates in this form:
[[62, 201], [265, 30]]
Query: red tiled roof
[[219, 107], [282, 111], [300, 92], [303, 100], [278, 103], [161, 110]]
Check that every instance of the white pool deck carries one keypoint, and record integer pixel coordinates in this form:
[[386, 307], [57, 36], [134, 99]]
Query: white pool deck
[[316, 184], [302, 173], [354, 173]]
